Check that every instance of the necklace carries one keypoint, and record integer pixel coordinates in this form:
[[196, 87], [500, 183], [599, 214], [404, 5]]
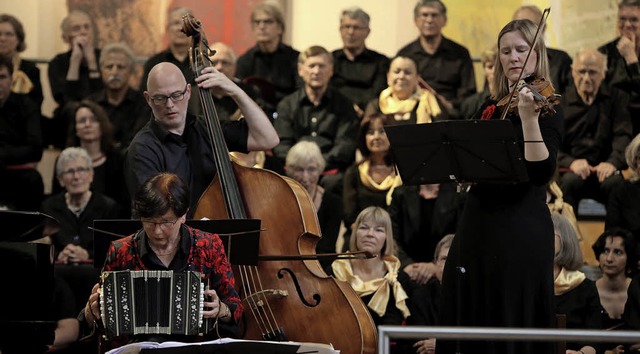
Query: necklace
[[98, 159]]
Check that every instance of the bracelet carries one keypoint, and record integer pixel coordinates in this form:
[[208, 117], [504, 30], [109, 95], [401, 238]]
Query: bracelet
[[534, 141]]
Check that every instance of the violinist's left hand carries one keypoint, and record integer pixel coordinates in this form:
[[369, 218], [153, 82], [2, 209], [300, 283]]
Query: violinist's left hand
[[603, 170], [217, 82], [527, 105]]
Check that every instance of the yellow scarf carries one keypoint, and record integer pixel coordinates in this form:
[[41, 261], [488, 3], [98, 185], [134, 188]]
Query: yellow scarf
[[567, 280], [380, 288], [21, 82], [427, 105], [388, 184]]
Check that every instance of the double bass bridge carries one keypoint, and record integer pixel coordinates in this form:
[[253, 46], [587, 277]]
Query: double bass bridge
[[258, 299]]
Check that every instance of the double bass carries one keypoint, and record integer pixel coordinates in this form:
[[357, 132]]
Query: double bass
[[285, 299]]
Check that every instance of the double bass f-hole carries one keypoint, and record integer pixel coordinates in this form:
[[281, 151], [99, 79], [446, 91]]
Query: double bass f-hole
[[315, 296]]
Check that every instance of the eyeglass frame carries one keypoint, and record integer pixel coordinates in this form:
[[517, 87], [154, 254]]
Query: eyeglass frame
[[164, 225], [175, 97], [72, 171]]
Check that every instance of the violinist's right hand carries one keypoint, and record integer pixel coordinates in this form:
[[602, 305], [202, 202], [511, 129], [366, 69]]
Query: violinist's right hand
[[581, 168], [92, 308]]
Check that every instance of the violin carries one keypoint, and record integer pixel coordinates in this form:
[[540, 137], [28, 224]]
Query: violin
[[543, 92]]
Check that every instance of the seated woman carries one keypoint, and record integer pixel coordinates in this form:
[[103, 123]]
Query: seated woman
[[76, 207], [615, 249], [304, 163], [404, 101], [372, 181], [624, 202], [379, 281], [91, 129], [576, 296]]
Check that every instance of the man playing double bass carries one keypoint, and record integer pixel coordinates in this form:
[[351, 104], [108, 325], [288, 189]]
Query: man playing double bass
[[177, 142]]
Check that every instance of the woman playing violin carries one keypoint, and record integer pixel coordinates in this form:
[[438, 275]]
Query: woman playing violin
[[499, 272]]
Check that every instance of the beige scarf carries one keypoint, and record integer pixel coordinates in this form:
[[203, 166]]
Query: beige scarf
[[21, 82], [388, 184], [380, 288], [427, 105], [567, 280]]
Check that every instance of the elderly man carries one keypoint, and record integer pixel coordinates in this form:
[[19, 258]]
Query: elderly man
[[318, 113], [73, 75], [597, 131], [20, 146], [270, 60], [358, 72], [444, 64], [174, 141], [622, 57], [126, 107]]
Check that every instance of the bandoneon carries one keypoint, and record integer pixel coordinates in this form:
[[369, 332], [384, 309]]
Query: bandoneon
[[151, 302]]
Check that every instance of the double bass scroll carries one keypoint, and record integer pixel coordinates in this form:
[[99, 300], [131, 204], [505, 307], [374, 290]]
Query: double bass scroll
[[284, 299]]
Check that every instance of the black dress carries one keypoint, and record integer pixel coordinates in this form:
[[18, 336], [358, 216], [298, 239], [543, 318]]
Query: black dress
[[499, 272], [582, 307]]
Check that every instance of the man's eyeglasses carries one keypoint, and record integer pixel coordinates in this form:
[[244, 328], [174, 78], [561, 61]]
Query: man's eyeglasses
[[79, 170], [159, 100], [164, 225]]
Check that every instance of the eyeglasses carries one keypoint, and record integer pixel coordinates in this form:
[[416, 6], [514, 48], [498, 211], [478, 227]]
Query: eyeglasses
[[79, 170], [352, 27], [631, 20], [164, 225], [159, 100]]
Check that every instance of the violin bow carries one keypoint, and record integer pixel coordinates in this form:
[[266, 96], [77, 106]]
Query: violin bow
[[543, 20]]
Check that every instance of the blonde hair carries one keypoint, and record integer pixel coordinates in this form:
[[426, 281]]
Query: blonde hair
[[631, 154], [314, 51], [569, 255], [378, 216]]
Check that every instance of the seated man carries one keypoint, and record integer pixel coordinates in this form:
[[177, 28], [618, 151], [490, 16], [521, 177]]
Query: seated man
[[125, 107], [597, 131], [165, 243], [358, 72], [319, 113], [20, 146]]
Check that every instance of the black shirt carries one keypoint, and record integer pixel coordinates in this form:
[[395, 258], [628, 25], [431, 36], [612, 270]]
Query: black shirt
[[179, 261], [20, 132], [154, 150], [449, 70], [332, 125], [599, 132], [64, 90], [361, 79], [559, 69]]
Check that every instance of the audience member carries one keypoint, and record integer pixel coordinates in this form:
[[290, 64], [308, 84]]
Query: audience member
[[472, 104], [615, 249], [20, 146], [304, 164], [576, 296], [166, 243], [76, 207], [404, 100], [624, 201], [597, 130], [371, 181], [75, 74], [425, 298], [174, 141], [124, 106], [358, 72], [421, 215], [26, 75], [270, 64], [319, 113], [444, 64], [622, 57], [379, 281], [559, 60], [90, 129]]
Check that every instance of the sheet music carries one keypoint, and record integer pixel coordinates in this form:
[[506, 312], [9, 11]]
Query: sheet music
[[304, 348]]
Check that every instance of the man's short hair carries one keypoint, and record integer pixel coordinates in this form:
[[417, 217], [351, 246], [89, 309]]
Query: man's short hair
[[271, 10], [6, 62], [117, 48], [625, 3], [430, 3], [17, 28], [588, 51], [314, 51], [356, 13], [64, 26]]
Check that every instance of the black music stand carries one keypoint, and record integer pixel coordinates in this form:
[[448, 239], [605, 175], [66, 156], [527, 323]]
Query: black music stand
[[457, 151], [240, 237], [24, 226]]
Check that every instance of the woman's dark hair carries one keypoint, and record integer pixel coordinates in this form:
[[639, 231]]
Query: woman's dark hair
[[629, 243], [365, 125], [17, 28], [69, 113], [159, 194]]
